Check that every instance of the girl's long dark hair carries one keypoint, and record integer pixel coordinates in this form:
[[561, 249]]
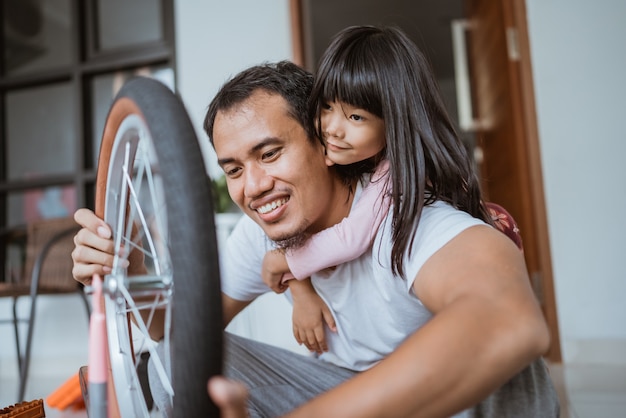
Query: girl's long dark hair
[[381, 70]]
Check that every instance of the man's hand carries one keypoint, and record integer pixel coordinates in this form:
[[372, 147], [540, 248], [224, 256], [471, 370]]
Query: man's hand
[[229, 396], [309, 314], [93, 251]]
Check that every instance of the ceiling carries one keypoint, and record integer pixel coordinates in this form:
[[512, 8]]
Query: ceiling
[[427, 22]]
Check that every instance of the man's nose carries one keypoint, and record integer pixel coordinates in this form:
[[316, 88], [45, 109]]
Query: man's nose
[[257, 182]]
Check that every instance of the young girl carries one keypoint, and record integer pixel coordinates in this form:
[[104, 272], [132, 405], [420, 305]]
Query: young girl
[[375, 104]]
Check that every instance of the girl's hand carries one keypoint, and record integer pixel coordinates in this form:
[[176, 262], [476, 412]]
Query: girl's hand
[[273, 269], [309, 314]]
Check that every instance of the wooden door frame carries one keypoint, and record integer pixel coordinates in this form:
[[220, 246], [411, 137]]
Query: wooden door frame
[[296, 17], [523, 192], [515, 12], [523, 102]]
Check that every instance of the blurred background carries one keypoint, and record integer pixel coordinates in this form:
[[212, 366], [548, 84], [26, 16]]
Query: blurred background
[[537, 88]]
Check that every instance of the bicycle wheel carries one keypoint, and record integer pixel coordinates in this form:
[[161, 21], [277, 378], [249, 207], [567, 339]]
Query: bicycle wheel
[[153, 190]]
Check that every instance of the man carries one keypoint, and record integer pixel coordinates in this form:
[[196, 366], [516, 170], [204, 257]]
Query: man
[[464, 331]]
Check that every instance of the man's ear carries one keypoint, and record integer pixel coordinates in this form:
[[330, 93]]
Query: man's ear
[[329, 162]]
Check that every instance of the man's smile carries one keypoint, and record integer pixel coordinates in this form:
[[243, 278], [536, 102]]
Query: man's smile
[[271, 206]]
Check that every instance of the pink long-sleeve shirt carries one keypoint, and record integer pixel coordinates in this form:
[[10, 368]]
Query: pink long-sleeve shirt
[[351, 237]]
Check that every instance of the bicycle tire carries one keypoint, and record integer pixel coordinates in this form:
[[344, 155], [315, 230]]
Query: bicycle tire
[[152, 112]]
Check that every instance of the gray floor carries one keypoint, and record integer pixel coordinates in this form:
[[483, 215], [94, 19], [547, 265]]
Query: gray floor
[[586, 391], [60, 348]]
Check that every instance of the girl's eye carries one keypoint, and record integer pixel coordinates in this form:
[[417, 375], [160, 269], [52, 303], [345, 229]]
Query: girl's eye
[[325, 106], [356, 117]]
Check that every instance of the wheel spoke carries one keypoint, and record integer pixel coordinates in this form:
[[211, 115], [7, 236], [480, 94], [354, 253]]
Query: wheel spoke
[[153, 353], [121, 211], [139, 212]]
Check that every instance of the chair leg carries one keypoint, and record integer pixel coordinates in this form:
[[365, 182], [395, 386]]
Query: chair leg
[[29, 339], [34, 287], [18, 349]]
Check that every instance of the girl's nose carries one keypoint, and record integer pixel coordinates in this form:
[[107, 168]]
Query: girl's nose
[[331, 126]]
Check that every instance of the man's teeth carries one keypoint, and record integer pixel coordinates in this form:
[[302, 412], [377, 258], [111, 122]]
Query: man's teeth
[[271, 206]]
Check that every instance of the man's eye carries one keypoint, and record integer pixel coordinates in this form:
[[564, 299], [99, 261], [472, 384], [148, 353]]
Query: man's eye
[[269, 155], [232, 172]]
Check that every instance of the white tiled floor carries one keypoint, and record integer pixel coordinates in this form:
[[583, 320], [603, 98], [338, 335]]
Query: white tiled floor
[[591, 391], [587, 391]]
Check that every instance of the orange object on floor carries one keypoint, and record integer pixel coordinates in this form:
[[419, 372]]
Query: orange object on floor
[[31, 409], [67, 395]]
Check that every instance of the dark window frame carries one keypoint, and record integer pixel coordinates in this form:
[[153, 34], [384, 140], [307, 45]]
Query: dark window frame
[[87, 63]]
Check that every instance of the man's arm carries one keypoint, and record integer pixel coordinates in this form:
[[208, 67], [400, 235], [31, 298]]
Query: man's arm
[[487, 326], [231, 307]]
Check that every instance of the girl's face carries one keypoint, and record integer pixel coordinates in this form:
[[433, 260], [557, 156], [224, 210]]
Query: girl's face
[[351, 134]]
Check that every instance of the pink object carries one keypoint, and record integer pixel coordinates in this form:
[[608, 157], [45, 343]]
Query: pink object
[[351, 237], [97, 375], [97, 336]]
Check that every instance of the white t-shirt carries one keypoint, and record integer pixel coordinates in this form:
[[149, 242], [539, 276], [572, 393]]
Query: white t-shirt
[[373, 309]]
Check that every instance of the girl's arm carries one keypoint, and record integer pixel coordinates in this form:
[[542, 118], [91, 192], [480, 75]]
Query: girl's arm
[[309, 315], [351, 237], [309, 310]]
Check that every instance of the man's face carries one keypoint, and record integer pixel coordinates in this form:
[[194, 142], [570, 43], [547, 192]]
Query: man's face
[[273, 172]]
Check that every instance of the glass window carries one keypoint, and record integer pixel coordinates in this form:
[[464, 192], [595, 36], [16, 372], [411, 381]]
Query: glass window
[[104, 89], [37, 35], [27, 206], [57, 85], [123, 23], [31, 205], [40, 131]]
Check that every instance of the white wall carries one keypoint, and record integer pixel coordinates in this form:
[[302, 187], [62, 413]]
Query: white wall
[[579, 66], [216, 39]]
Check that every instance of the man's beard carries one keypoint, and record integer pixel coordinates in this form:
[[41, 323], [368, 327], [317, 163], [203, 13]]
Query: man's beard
[[295, 239], [292, 243]]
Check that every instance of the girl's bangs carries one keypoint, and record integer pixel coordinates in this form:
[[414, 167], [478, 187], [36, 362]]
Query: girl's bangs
[[354, 85]]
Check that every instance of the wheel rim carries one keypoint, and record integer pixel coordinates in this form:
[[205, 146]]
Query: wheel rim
[[135, 209]]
